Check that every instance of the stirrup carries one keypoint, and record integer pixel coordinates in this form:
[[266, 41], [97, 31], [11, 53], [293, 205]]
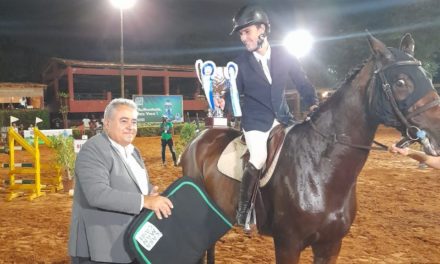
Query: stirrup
[[250, 219]]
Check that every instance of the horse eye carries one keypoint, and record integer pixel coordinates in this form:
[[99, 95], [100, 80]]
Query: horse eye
[[400, 83]]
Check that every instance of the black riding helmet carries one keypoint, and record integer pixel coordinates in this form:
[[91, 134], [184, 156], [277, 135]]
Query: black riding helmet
[[250, 15]]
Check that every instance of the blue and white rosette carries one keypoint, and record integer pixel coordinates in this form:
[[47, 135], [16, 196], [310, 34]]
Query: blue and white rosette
[[231, 74], [205, 72]]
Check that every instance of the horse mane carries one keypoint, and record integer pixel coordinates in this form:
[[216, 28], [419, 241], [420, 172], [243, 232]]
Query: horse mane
[[353, 73], [344, 84]]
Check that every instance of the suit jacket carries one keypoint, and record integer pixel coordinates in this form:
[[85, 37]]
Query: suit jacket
[[106, 199], [263, 102]]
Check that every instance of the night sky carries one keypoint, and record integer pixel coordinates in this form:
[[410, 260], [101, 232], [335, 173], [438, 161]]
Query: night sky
[[90, 29], [181, 31]]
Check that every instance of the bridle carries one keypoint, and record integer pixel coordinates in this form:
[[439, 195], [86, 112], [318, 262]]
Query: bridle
[[412, 133]]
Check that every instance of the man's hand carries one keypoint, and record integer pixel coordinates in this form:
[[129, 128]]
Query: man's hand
[[159, 204]]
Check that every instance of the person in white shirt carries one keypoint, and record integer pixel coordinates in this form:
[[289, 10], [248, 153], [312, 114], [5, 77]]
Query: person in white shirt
[[23, 102], [111, 188], [86, 122]]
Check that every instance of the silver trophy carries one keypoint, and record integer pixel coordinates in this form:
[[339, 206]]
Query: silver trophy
[[216, 82]]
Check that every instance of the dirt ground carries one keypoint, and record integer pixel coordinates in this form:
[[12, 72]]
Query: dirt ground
[[398, 219]]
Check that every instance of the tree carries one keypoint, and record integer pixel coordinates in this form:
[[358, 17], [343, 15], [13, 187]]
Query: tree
[[64, 107]]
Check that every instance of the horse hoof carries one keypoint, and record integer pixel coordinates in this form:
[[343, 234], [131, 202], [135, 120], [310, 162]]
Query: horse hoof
[[249, 230]]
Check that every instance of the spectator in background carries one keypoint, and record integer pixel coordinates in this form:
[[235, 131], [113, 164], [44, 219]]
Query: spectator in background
[[93, 125], [167, 132], [14, 126], [57, 122], [23, 102], [98, 127], [86, 123], [21, 130]]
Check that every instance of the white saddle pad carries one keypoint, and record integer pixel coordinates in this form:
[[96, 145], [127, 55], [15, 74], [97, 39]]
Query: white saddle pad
[[230, 162]]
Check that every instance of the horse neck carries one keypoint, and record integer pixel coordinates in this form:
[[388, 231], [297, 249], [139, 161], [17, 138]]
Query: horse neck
[[346, 112]]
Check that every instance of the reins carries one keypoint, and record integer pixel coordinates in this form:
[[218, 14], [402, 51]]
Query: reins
[[340, 140]]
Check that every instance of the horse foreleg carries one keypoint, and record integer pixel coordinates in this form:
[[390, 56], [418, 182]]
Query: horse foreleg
[[287, 251], [209, 256], [326, 253], [202, 259]]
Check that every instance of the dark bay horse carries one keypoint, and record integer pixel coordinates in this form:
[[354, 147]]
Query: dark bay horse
[[311, 197]]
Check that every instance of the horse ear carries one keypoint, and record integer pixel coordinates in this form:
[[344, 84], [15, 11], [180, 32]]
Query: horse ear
[[380, 51], [407, 44]]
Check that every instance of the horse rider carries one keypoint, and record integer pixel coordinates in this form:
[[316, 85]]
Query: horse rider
[[263, 74]]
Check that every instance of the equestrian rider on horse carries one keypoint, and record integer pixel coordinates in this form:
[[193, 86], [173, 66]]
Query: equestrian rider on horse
[[264, 74]]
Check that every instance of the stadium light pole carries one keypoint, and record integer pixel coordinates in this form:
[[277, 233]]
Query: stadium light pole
[[122, 5]]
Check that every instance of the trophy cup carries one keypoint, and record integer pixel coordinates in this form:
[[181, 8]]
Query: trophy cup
[[216, 82]]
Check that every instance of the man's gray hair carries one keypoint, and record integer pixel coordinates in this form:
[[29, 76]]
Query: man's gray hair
[[110, 108]]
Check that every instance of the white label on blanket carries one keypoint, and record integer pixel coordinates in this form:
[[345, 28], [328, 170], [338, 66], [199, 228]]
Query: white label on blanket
[[148, 236]]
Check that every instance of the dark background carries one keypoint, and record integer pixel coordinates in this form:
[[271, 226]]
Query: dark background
[[181, 31]]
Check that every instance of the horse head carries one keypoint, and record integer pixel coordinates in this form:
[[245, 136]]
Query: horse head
[[401, 94]]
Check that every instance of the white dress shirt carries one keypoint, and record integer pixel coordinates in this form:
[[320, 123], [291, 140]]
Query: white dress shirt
[[264, 61], [139, 172]]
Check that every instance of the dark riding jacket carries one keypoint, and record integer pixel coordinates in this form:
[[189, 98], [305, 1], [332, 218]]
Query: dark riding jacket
[[263, 102]]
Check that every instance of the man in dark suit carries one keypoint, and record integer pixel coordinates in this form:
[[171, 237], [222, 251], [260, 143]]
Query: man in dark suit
[[263, 74], [111, 188]]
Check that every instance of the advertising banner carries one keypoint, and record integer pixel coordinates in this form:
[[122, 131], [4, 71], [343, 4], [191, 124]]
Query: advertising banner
[[29, 134], [153, 107], [78, 143]]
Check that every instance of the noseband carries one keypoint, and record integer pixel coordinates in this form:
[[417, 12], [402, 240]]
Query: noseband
[[413, 133]]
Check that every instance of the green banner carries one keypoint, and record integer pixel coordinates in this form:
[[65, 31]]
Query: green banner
[[153, 107]]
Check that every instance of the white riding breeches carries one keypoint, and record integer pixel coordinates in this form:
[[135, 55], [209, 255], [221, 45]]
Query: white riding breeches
[[256, 142]]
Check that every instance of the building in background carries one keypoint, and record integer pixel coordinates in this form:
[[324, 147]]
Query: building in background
[[91, 85], [22, 95]]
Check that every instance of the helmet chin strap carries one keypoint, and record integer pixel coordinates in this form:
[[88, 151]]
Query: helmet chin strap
[[260, 41]]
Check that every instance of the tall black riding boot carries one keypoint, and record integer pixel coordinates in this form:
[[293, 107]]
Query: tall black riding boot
[[250, 178]]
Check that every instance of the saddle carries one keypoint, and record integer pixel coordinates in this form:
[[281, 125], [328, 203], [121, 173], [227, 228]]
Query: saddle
[[236, 154], [234, 158]]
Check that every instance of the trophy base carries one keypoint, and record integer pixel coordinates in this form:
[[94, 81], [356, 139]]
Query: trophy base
[[216, 122]]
